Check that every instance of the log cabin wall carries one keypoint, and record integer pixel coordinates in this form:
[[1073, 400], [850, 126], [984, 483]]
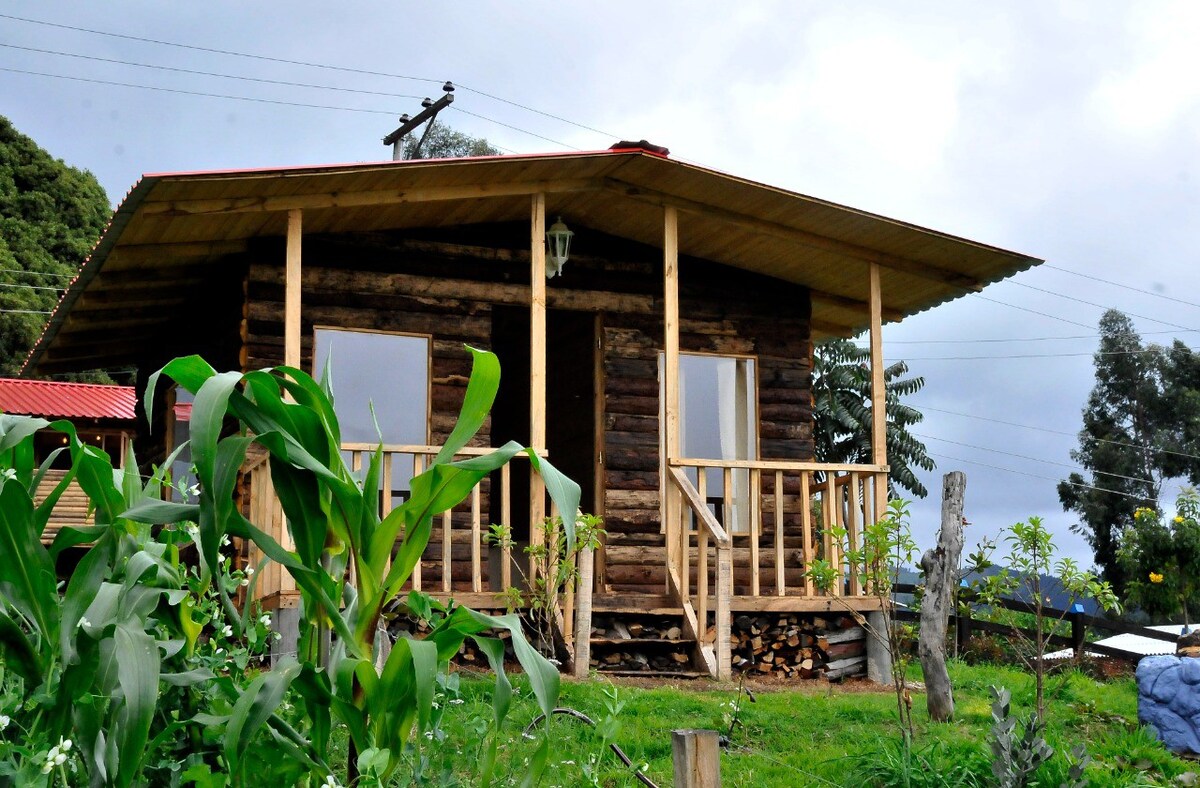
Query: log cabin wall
[[447, 284]]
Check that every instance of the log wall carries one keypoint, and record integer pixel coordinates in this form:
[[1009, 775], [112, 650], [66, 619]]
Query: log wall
[[446, 285]]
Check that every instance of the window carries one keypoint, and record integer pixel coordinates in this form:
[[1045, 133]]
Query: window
[[386, 373], [718, 419]]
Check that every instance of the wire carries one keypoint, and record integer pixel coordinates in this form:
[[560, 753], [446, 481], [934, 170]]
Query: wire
[[1032, 311], [32, 287], [608, 134], [1033, 459], [1092, 278], [1037, 476], [1098, 306], [1031, 355], [215, 51], [864, 343], [211, 73], [196, 92], [1048, 430], [35, 273], [25, 311], [510, 126]]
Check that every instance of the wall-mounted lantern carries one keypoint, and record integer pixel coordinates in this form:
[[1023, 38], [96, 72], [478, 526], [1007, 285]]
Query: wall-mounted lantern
[[558, 248]]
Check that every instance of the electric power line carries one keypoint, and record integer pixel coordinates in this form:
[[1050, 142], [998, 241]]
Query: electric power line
[[510, 126], [32, 287], [25, 311], [1092, 278], [1036, 476], [211, 73], [1098, 306], [864, 343], [1032, 459], [1032, 311], [196, 92], [493, 97], [1048, 430], [35, 273], [1030, 355]]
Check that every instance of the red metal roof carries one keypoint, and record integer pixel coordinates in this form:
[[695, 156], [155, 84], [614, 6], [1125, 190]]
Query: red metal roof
[[53, 399]]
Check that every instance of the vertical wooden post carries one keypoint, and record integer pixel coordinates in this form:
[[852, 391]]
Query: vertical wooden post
[[878, 393], [722, 643], [780, 578], [696, 755], [291, 308], [583, 613], [537, 363], [1078, 630], [670, 389]]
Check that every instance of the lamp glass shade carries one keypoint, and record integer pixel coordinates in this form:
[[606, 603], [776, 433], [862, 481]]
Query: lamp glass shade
[[558, 247]]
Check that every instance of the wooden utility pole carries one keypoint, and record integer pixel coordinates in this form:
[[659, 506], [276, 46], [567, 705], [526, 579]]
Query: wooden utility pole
[[941, 579], [407, 124]]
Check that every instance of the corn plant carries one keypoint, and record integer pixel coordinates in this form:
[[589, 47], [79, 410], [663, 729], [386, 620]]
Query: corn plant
[[333, 518]]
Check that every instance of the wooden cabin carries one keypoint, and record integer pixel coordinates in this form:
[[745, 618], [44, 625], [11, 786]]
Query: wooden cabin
[[666, 367], [102, 416]]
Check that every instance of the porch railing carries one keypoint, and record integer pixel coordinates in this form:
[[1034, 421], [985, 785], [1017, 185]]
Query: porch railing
[[458, 561], [744, 532]]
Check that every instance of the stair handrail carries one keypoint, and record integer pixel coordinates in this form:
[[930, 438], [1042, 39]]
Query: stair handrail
[[708, 528]]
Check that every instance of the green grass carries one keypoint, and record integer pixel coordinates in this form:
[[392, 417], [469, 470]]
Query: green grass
[[813, 734]]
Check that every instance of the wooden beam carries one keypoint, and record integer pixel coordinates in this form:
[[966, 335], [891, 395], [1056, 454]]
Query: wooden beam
[[671, 333], [133, 254], [292, 281], [359, 199], [878, 392], [802, 237], [855, 304], [537, 357]]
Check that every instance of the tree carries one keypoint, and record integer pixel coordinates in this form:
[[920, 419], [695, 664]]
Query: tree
[[50, 217], [444, 142], [1161, 558], [1140, 428], [842, 413]]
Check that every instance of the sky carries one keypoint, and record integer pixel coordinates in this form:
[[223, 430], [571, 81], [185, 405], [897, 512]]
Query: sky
[[1064, 130]]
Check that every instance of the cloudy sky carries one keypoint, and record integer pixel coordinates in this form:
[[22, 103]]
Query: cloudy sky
[[1065, 130]]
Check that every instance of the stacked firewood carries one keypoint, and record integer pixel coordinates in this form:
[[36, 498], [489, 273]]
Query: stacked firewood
[[643, 643], [799, 646]]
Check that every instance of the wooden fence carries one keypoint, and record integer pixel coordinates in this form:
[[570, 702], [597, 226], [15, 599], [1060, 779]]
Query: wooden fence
[[1080, 622]]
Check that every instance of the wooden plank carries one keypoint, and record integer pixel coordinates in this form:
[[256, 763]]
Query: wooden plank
[[755, 503], [780, 584], [418, 469], [696, 755], [684, 486], [291, 313], [358, 199], [723, 643], [802, 237], [506, 520], [830, 513], [447, 523], [537, 360], [583, 614], [476, 538], [878, 391], [727, 501], [806, 531], [780, 465], [702, 583], [853, 533]]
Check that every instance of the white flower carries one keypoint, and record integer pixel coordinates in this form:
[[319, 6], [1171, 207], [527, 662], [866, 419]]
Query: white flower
[[83, 622], [10, 474], [224, 541], [227, 631], [265, 619], [330, 782], [4, 721], [456, 702], [64, 744], [245, 581], [249, 571], [218, 652]]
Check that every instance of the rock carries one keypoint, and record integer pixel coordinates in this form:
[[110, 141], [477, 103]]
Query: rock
[[1169, 701]]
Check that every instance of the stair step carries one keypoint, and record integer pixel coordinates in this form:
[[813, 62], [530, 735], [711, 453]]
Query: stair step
[[644, 604]]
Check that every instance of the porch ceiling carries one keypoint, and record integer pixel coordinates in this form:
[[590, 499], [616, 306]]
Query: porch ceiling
[[170, 230]]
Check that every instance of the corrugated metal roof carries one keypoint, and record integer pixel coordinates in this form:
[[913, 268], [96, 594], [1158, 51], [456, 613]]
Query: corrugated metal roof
[[56, 400], [173, 230]]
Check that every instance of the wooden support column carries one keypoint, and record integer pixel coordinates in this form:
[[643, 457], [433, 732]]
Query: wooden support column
[[696, 756], [291, 310], [671, 505], [537, 360], [878, 394]]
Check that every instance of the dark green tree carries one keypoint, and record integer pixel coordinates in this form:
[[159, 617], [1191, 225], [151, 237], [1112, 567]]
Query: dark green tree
[[842, 413], [50, 217], [1139, 427], [444, 142]]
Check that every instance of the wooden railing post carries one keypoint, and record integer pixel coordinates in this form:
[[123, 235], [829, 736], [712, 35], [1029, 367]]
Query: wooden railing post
[[724, 648], [583, 613], [696, 755]]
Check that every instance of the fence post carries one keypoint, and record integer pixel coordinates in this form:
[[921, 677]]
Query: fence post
[[697, 758], [1078, 630], [962, 628], [583, 613]]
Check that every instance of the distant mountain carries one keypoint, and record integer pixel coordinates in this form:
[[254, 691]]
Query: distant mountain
[[1052, 590]]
